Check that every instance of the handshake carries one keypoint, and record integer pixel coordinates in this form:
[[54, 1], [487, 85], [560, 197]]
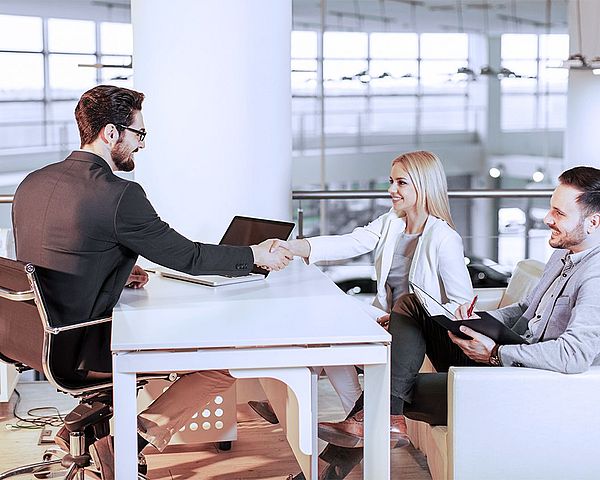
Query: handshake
[[275, 254]]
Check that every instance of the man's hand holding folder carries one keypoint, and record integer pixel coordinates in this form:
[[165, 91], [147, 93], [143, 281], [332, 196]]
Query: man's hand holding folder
[[479, 347]]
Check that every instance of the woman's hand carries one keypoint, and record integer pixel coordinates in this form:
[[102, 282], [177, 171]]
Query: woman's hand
[[137, 278]]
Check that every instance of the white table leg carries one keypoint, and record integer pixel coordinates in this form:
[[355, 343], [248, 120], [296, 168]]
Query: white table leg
[[377, 421], [125, 413], [298, 379], [299, 419], [314, 458]]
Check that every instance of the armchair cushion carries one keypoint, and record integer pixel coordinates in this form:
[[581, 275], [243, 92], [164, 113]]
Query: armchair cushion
[[523, 280]]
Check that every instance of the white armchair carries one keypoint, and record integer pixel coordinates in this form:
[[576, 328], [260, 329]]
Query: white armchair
[[522, 281]]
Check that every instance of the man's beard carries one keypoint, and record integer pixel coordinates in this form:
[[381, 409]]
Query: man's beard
[[122, 158], [570, 239]]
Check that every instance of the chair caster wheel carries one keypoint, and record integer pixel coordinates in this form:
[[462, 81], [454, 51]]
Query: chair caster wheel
[[224, 446]]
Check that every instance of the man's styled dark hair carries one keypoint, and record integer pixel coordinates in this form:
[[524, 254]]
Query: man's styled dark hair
[[587, 181], [105, 104]]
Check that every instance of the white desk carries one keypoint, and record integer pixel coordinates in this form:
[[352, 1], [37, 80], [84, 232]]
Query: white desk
[[296, 319]]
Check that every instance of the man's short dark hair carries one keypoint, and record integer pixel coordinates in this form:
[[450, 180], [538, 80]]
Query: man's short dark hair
[[587, 181], [105, 104]]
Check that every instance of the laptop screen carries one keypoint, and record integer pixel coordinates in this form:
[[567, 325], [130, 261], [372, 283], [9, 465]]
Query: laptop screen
[[245, 231]]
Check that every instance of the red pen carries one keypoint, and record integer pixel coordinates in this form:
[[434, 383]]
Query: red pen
[[472, 306]]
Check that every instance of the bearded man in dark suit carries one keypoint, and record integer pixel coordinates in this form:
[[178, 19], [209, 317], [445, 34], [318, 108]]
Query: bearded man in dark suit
[[84, 228]]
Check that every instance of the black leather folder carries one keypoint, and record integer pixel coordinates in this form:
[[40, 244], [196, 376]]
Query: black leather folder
[[486, 325]]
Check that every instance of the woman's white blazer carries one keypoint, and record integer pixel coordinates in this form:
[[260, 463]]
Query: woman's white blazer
[[438, 264]]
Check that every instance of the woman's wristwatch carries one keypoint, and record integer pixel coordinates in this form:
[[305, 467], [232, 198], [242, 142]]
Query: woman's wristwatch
[[495, 360]]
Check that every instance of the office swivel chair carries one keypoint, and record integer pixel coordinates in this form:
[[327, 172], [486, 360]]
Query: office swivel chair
[[29, 339]]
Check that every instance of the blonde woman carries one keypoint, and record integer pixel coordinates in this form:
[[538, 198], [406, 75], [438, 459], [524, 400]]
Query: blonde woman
[[415, 241]]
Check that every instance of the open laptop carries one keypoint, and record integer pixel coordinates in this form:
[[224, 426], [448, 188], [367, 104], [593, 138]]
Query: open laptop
[[242, 231], [486, 323]]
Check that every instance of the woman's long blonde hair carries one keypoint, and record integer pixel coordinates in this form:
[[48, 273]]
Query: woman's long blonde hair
[[427, 174]]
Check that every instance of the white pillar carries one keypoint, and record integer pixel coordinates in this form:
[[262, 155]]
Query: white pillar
[[216, 74], [583, 98]]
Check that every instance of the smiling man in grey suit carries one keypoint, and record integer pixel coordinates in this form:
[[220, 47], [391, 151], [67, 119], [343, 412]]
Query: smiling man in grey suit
[[560, 319], [84, 227]]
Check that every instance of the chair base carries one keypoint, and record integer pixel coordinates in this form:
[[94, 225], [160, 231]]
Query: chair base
[[39, 470], [70, 468], [45, 469]]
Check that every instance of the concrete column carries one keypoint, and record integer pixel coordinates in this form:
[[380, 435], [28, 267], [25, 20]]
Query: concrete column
[[583, 98], [216, 74]]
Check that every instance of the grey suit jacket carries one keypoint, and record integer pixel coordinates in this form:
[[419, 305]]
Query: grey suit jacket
[[569, 338], [84, 227]]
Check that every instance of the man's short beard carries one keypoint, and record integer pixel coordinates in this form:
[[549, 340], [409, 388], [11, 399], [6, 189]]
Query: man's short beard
[[121, 158], [571, 239]]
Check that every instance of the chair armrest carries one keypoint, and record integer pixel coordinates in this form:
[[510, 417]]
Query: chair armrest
[[16, 296], [488, 298], [522, 423]]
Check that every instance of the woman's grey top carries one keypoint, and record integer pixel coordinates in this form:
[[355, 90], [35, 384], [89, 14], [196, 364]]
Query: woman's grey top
[[404, 251]]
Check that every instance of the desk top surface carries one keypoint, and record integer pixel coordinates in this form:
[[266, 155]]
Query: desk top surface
[[297, 306]]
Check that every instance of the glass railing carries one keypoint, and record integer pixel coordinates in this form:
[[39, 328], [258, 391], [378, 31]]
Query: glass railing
[[498, 227], [306, 126], [27, 134], [362, 126]]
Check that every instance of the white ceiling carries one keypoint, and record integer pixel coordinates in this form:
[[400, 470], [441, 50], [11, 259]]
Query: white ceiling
[[471, 16]]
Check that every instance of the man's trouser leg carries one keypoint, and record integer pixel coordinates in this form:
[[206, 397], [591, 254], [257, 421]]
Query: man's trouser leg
[[430, 399], [175, 407]]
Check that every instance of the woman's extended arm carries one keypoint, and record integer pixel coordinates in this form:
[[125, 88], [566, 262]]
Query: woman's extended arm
[[337, 247]]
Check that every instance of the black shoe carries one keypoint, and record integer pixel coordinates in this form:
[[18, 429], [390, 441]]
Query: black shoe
[[265, 410]]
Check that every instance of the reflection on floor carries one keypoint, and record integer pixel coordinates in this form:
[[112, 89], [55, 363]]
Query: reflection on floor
[[260, 453]]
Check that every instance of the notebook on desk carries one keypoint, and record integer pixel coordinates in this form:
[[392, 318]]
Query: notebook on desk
[[242, 231]]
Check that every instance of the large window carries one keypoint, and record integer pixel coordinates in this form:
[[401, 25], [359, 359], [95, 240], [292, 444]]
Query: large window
[[534, 87], [39, 86], [116, 45], [381, 83]]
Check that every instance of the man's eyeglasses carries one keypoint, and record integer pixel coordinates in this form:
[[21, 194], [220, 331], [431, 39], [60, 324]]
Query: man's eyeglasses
[[140, 133]]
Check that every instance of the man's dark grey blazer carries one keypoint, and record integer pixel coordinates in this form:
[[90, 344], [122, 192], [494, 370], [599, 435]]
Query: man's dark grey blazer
[[84, 227]]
